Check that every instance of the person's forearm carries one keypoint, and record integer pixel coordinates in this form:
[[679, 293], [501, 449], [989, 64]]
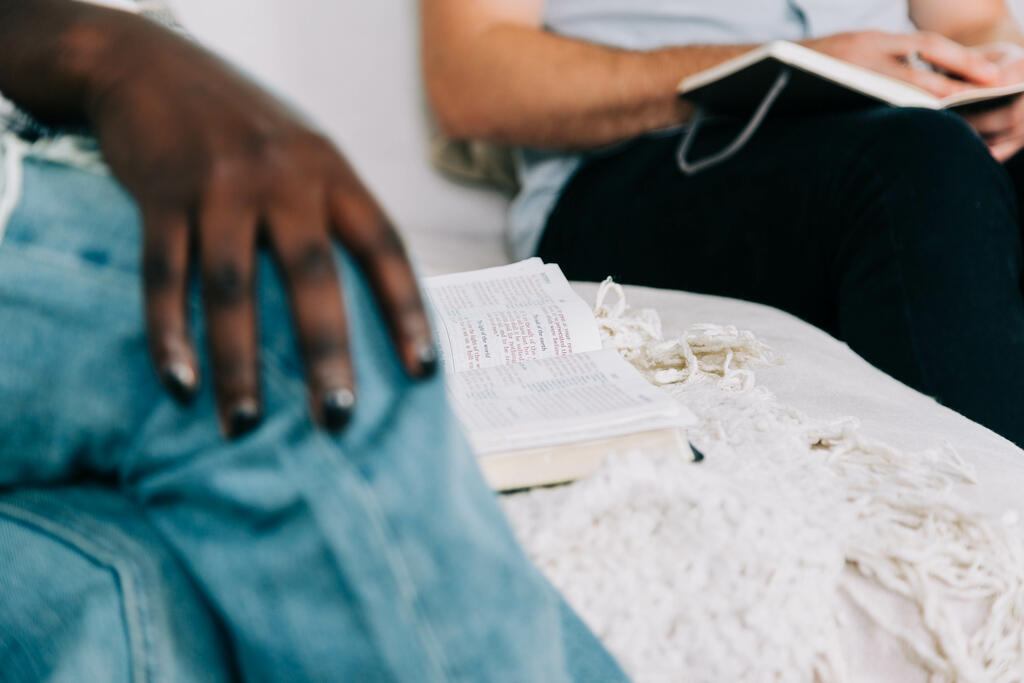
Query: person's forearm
[[974, 23], [1008, 31], [54, 54], [524, 86], [1004, 31]]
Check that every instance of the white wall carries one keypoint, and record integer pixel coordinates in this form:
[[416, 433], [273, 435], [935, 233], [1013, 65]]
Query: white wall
[[352, 65]]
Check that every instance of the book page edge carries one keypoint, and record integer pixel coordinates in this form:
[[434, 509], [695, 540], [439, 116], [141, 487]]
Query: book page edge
[[823, 66], [550, 465]]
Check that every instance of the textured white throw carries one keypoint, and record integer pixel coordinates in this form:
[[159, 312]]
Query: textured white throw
[[751, 565]]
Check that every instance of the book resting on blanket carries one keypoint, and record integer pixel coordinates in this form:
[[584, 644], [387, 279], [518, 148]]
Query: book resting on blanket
[[541, 401]]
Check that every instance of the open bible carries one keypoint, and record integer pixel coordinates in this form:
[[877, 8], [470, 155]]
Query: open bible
[[541, 401]]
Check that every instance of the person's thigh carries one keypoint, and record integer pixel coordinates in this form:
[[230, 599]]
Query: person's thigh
[[89, 594], [779, 222], [1014, 167], [755, 227], [375, 554]]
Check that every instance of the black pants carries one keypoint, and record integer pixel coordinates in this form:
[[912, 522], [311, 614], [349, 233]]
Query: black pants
[[894, 230]]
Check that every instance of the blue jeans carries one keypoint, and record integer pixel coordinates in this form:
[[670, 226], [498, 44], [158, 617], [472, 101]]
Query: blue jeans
[[378, 554], [89, 593]]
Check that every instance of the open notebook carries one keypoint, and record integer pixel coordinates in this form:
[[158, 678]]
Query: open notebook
[[817, 82], [784, 77], [541, 401]]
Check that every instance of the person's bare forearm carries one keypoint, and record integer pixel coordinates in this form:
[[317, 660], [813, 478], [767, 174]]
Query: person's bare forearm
[[52, 54], [978, 22], [1006, 31], [521, 85]]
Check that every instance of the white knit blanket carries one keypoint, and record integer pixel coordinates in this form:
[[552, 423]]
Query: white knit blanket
[[796, 548]]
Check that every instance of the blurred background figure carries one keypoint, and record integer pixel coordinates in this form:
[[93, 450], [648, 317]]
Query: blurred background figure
[[897, 231]]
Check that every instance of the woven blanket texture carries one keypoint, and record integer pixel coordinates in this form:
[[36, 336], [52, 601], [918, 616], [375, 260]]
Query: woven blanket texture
[[798, 548]]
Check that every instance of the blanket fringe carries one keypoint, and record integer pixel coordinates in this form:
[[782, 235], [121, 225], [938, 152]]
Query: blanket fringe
[[704, 353], [905, 531]]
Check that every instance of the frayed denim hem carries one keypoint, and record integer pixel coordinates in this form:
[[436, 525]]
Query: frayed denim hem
[[78, 151], [12, 151]]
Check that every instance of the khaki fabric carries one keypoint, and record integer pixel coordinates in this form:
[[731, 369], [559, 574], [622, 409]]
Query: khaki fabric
[[474, 161]]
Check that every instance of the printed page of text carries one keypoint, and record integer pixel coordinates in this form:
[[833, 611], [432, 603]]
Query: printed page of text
[[558, 400], [509, 314]]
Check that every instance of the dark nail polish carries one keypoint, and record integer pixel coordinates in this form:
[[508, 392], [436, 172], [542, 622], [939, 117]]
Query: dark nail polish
[[426, 354], [338, 406], [180, 380], [697, 455], [243, 417]]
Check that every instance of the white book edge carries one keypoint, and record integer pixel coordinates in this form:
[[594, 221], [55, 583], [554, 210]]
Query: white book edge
[[829, 68], [651, 408], [673, 415], [981, 94], [548, 466]]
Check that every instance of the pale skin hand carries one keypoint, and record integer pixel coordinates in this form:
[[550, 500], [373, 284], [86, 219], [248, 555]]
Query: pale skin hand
[[990, 26], [887, 53], [1002, 129]]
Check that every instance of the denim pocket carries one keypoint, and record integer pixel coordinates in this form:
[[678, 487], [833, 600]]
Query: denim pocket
[[68, 603], [90, 593]]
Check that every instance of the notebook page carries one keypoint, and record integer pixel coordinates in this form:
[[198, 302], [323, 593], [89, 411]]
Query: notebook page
[[559, 400], [817, 82], [508, 314], [976, 95]]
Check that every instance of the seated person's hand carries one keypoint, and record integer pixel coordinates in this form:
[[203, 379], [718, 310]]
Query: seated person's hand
[[218, 166], [1003, 128], [952, 67]]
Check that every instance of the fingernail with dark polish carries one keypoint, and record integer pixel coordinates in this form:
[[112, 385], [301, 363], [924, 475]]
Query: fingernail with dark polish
[[426, 354], [180, 380], [243, 417], [338, 406]]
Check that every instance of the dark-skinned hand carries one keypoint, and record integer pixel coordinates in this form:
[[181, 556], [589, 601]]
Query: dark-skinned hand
[[219, 167]]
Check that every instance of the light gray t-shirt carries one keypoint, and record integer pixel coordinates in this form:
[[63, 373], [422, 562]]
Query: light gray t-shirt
[[651, 24]]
